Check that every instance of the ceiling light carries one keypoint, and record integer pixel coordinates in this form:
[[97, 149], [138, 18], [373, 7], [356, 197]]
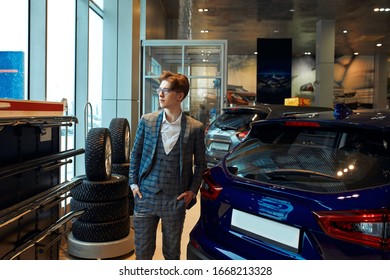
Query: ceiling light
[[379, 45], [345, 31], [203, 10], [355, 53], [382, 10], [204, 31]]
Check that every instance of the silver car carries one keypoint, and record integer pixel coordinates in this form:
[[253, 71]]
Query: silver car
[[232, 126]]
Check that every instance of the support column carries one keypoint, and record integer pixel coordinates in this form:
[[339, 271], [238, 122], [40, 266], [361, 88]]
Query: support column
[[37, 52], [81, 94], [121, 54], [380, 82], [324, 63], [110, 61]]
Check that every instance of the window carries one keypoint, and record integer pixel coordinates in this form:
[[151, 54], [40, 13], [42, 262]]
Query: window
[[60, 74], [61, 52], [98, 3], [330, 159]]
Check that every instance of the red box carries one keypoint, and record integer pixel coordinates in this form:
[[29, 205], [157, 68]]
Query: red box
[[27, 108]]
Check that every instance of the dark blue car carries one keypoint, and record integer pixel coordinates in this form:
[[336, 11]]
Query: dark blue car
[[315, 186]]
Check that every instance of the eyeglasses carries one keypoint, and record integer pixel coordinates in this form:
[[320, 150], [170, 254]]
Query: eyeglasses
[[165, 91]]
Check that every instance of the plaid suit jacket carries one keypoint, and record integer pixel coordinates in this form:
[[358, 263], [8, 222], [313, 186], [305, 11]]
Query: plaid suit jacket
[[192, 150]]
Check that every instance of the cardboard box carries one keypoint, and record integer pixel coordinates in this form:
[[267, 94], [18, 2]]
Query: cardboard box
[[297, 101]]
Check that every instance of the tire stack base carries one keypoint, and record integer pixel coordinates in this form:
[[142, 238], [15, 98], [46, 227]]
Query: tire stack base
[[101, 250]]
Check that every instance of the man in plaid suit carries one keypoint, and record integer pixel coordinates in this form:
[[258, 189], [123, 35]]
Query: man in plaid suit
[[167, 163]]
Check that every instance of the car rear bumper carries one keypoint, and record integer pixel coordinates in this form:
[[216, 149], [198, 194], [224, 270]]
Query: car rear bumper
[[200, 247], [196, 254]]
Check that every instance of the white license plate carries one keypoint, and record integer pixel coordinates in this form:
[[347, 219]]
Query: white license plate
[[220, 146], [266, 230]]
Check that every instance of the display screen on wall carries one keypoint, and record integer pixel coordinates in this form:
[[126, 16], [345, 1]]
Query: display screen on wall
[[12, 74], [274, 62]]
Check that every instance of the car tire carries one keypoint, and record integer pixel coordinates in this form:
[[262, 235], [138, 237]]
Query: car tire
[[97, 212], [121, 169], [101, 232], [98, 191], [120, 135], [98, 154]]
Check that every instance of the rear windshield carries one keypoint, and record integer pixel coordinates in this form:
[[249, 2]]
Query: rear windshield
[[236, 121], [313, 159]]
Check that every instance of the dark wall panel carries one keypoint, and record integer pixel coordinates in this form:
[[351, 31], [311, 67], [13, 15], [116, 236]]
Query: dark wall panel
[[274, 63]]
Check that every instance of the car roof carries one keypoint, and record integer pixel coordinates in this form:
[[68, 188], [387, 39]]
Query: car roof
[[275, 110], [365, 118], [247, 109]]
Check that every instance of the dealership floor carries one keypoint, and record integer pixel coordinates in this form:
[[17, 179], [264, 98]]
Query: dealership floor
[[191, 218]]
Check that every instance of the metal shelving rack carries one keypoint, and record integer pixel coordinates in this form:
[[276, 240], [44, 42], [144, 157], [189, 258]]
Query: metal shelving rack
[[31, 191]]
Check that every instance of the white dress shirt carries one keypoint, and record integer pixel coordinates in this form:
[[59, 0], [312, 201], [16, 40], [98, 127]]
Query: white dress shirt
[[170, 132]]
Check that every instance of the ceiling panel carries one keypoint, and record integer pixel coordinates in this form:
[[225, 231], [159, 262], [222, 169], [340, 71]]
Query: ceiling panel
[[242, 22]]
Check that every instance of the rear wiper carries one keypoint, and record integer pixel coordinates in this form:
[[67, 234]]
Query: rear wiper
[[300, 172], [226, 127]]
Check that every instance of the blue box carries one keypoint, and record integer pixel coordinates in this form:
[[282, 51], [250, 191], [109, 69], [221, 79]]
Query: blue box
[[12, 74]]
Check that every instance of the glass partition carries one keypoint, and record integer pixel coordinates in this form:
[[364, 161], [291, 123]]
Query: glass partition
[[203, 62]]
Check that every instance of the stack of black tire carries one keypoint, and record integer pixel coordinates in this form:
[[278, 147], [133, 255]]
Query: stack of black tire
[[103, 195], [121, 141]]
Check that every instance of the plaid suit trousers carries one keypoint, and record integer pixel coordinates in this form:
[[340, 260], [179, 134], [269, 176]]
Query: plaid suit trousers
[[147, 215]]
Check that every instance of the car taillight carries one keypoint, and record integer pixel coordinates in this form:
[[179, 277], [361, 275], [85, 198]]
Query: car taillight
[[367, 227], [241, 136], [209, 189], [194, 243], [302, 123]]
